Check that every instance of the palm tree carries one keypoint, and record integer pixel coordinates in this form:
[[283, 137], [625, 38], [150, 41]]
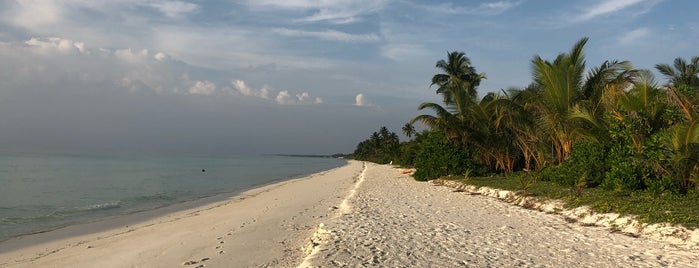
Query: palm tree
[[603, 87], [644, 102], [684, 139], [408, 130], [457, 85], [571, 106], [459, 77], [684, 74], [560, 82]]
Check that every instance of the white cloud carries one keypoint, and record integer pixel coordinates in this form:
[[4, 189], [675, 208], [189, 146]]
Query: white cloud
[[635, 36], [63, 61], [303, 97], [489, 8], [202, 88], [248, 91], [331, 35], [606, 7], [361, 100], [57, 44], [399, 52], [173, 9], [160, 56], [233, 48], [285, 98], [131, 56], [340, 12]]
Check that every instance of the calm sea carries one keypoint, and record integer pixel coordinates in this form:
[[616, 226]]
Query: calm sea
[[44, 192]]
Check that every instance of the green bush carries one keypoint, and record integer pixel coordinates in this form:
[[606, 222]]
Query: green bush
[[622, 177], [661, 186], [624, 170], [438, 157], [587, 160]]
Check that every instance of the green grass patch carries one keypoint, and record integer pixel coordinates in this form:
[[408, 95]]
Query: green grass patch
[[666, 208]]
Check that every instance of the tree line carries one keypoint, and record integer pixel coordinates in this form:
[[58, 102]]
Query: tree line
[[611, 125]]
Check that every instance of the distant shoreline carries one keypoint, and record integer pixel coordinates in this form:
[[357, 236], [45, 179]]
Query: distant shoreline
[[338, 156]]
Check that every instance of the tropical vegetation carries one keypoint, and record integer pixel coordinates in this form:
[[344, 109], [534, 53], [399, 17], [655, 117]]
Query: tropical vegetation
[[610, 127]]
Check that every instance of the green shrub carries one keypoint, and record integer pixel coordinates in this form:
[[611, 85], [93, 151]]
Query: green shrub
[[587, 160], [663, 185], [438, 157], [622, 177]]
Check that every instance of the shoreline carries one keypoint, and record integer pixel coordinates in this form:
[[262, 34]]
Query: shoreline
[[360, 214], [160, 210], [34, 249]]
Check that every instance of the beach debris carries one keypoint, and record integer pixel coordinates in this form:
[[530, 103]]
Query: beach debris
[[407, 171], [195, 262]]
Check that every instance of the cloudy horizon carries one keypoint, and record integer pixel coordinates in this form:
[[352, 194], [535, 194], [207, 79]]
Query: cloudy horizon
[[298, 76]]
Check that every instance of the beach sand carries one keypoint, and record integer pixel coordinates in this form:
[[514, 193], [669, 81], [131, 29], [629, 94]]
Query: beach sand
[[266, 227], [356, 215], [396, 221]]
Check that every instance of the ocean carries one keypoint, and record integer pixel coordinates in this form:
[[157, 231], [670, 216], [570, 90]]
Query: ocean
[[41, 192]]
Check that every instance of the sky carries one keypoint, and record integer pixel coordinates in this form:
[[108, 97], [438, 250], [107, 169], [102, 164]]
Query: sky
[[293, 76]]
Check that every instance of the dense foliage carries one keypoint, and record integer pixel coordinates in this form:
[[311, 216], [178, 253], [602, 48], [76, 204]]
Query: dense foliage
[[381, 147], [438, 157], [611, 127]]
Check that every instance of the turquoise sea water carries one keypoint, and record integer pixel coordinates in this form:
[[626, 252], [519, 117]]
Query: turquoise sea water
[[40, 192]]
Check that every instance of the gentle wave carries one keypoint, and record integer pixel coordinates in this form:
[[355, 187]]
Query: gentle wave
[[58, 214], [90, 208]]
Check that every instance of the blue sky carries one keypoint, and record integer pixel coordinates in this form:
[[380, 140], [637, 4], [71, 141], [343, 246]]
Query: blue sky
[[296, 76]]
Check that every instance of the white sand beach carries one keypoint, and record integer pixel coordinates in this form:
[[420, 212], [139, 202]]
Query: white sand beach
[[266, 227], [399, 222], [356, 215]]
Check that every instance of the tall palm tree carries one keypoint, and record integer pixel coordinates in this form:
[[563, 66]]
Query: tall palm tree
[[459, 77], [409, 130], [560, 82], [458, 87]]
